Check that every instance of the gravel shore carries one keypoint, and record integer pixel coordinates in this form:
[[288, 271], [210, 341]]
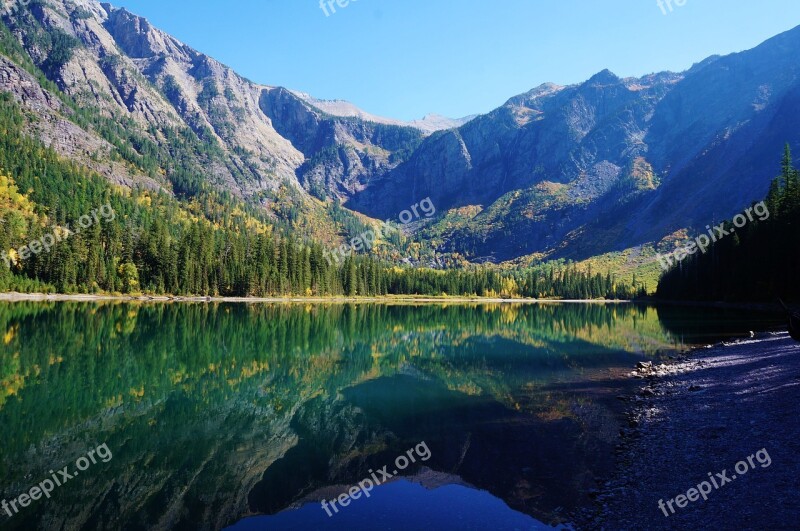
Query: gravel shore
[[704, 414]]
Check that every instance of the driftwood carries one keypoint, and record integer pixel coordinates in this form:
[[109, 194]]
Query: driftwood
[[794, 321]]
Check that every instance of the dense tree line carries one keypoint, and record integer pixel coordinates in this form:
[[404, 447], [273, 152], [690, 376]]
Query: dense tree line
[[570, 283], [758, 262]]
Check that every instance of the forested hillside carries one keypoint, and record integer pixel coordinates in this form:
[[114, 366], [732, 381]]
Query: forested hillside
[[760, 262]]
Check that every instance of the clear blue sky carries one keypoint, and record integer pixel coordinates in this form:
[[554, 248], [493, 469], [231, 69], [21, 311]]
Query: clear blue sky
[[406, 58]]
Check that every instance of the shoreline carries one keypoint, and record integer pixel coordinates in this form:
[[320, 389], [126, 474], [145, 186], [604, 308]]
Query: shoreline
[[705, 412], [56, 297], [341, 299]]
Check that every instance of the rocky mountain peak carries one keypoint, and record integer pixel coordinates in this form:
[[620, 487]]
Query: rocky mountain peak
[[604, 77], [138, 38]]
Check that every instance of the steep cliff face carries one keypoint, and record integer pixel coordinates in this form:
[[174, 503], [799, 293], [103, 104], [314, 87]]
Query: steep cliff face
[[342, 152], [209, 97], [132, 85], [184, 88], [122, 66], [53, 122]]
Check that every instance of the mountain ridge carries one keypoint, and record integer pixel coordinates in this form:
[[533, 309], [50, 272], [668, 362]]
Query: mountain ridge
[[571, 155], [430, 123]]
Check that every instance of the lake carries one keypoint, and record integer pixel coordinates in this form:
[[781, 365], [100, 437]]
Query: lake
[[247, 416]]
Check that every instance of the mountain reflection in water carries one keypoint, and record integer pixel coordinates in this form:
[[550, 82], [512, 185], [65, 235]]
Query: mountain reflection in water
[[216, 413]]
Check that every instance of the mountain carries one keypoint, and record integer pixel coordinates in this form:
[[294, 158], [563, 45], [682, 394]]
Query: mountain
[[429, 123], [558, 172], [608, 164]]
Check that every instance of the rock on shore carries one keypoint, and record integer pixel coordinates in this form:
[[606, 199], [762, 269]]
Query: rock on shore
[[706, 413]]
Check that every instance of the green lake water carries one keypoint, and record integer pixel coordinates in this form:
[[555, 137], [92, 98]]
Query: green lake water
[[247, 416]]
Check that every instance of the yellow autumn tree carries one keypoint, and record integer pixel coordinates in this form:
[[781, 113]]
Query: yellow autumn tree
[[17, 215]]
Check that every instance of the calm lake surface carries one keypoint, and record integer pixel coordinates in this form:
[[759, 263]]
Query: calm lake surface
[[247, 416]]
